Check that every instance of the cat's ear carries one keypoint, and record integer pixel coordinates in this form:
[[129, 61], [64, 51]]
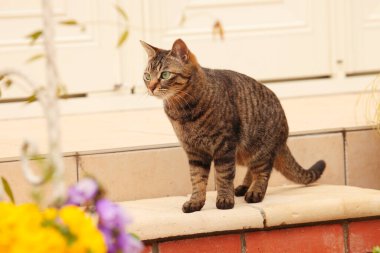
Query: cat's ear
[[150, 50], [180, 50]]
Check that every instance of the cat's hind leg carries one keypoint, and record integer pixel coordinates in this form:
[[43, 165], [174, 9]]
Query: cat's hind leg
[[261, 172], [243, 188]]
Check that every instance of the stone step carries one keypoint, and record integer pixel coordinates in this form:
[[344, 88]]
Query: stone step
[[152, 172], [136, 155], [316, 218]]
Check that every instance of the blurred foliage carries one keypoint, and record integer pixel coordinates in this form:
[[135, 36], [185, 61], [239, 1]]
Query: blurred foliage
[[372, 101], [217, 27], [69, 22], [34, 36], [218, 30], [5, 81], [32, 98], [121, 12], [183, 20], [125, 25], [73, 22], [7, 189], [61, 90], [123, 37], [35, 58], [376, 249], [125, 20]]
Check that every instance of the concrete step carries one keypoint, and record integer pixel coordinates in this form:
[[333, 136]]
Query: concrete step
[[351, 157], [136, 155], [316, 218]]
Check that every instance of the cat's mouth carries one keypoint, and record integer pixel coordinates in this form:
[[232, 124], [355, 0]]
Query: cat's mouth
[[160, 93]]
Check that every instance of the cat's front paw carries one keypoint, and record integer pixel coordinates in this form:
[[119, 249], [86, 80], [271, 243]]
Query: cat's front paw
[[241, 190], [225, 202], [192, 206], [254, 197]]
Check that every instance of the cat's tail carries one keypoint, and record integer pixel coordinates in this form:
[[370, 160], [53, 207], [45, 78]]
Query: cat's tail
[[288, 166]]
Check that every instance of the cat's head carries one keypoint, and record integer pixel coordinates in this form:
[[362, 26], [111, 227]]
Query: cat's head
[[168, 71]]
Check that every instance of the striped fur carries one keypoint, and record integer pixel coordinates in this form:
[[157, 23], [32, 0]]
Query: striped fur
[[224, 117]]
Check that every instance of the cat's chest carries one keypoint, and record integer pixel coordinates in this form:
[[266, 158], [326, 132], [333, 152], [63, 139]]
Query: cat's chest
[[190, 135], [184, 130]]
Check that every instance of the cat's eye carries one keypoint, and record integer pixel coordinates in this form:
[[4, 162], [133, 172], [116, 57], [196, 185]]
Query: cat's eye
[[165, 75], [147, 77]]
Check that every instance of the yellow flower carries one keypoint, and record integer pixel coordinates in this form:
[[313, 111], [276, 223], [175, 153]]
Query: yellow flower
[[25, 228], [89, 238], [21, 231]]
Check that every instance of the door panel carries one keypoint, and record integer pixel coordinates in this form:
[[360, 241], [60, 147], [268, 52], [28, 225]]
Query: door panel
[[364, 39], [268, 39], [87, 59]]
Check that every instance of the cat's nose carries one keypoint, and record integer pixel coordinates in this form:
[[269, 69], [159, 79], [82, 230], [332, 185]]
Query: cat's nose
[[152, 86]]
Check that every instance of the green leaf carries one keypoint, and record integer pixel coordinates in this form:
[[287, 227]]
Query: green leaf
[[8, 83], [36, 196], [135, 236], [61, 90], [218, 29], [49, 172], [37, 157], [65, 231], [35, 58], [32, 98], [69, 22], [73, 22], [376, 249], [34, 36], [123, 37], [121, 12], [8, 189], [183, 19]]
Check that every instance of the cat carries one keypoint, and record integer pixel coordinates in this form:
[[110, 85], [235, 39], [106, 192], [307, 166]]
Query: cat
[[224, 117]]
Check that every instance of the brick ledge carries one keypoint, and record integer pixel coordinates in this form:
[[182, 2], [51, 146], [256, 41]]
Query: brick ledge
[[162, 217]]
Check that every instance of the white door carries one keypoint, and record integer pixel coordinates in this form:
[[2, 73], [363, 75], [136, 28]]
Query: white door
[[363, 19], [88, 59], [267, 39]]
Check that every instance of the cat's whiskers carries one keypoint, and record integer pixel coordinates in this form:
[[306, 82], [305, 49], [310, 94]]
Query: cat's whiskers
[[187, 94], [165, 93], [184, 100], [178, 92], [172, 103]]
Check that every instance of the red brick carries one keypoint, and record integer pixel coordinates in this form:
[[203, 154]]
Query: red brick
[[147, 249], [211, 244], [363, 236], [318, 239]]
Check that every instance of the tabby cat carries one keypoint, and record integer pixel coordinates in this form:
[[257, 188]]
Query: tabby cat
[[225, 117]]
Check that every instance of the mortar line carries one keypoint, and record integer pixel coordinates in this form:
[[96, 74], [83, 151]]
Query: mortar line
[[243, 243], [345, 157], [155, 248], [76, 155], [345, 236]]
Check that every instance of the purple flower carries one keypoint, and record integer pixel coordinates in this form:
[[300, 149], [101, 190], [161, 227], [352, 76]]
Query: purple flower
[[111, 216], [129, 244], [82, 192], [112, 223], [109, 239]]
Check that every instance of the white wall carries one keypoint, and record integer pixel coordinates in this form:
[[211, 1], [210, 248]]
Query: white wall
[[267, 39]]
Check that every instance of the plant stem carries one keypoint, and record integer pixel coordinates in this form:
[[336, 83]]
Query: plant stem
[[52, 118]]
